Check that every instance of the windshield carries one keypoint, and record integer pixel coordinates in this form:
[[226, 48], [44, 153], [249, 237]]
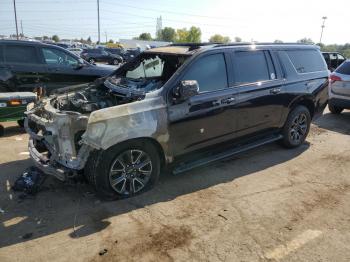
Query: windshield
[[160, 66]]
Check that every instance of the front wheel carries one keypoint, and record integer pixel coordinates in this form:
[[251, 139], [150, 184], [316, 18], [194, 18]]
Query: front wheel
[[335, 109], [115, 62], [125, 170], [297, 127]]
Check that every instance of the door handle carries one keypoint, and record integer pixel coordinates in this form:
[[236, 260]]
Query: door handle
[[228, 100], [275, 90]]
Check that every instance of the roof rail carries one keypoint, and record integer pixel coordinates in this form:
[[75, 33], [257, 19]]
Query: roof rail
[[193, 46], [260, 43]]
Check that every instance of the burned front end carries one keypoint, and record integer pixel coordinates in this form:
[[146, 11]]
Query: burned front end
[[66, 127]]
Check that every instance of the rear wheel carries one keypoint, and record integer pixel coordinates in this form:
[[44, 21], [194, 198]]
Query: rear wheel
[[335, 109], [20, 123], [297, 127], [125, 170], [115, 62], [2, 130]]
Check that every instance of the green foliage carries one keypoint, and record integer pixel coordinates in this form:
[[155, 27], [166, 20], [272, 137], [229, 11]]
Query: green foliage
[[145, 37], [305, 41], [194, 35], [217, 38], [55, 38], [278, 41], [343, 49], [111, 41], [168, 34]]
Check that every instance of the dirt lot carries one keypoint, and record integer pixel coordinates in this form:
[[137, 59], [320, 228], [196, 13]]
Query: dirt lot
[[270, 204]]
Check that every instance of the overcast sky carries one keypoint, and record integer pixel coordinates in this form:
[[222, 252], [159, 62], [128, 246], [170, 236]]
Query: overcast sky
[[265, 20]]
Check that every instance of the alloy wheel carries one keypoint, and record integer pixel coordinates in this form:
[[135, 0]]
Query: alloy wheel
[[298, 128], [130, 172]]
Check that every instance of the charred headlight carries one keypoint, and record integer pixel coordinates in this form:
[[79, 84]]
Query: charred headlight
[[96, 130]]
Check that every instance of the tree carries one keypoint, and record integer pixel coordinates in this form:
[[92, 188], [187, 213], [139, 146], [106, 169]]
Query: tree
[[168, 34], [145, 37], [89, 40], [111, 41], [219, 39], [181, 35], [306, 41], [45, 37], [194, 35], [278, 41], [55, 38], [238, 39]]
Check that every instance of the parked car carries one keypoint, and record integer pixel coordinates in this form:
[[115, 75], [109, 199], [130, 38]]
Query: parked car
[[130, 54], [12, 107], [100, 55], [75, 50], [180, 107], [339, 89], [28, 65], [333, 60], [63, 45]]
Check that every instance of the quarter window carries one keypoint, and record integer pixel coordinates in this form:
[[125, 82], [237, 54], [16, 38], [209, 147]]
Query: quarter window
[[251, 67], [21, 54], [306, 61], [210, 73]]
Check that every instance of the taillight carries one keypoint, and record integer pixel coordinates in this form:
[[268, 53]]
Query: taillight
[[334, 78]]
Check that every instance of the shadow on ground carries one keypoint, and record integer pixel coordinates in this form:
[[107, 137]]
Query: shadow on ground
[[337, 123], [66, 206], [13, 130]]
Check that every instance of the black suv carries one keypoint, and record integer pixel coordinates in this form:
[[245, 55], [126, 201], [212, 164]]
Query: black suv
[[26, 66], [101, 55], [180, 107]]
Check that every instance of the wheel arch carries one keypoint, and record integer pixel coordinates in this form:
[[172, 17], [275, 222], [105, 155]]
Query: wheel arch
[[308, 102]]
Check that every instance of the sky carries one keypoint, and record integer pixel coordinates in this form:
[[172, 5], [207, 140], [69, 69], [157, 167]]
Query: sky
[[262, 21]]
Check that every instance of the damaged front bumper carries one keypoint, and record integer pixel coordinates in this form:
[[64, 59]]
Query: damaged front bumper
[[55, 141]]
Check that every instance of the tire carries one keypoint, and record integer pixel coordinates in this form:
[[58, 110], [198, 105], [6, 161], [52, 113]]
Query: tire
[[297, 127], [335, 109], [20, 123], [127, 178], [115, 62], [91, 60], [2, 130]]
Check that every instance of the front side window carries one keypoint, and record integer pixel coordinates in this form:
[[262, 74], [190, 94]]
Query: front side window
[[57, 57], [21, 54], [306, 61], [250, 67], [210, 73]]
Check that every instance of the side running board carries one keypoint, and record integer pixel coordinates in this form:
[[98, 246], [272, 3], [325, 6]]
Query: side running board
[[186, 166]]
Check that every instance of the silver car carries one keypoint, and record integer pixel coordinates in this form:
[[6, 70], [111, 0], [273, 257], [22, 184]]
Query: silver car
[[339, 88]]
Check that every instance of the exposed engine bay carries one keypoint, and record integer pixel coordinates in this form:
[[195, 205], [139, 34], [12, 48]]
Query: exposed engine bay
[[130, 83]]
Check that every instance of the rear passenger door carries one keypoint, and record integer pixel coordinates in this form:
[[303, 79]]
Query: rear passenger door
[[25, 67], [259, 84]]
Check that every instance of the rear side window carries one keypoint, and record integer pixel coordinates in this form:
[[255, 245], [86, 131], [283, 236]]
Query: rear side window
[[210, 73], [306, 61], [344, 68], [1, 54], [250, 67], [21, 54]]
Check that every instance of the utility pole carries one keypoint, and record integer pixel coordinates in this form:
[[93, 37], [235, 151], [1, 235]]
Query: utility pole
[[98, 20], [322, 27], [14, 8], [22, 28]]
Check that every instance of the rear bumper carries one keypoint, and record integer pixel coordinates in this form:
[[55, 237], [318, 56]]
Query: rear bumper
[[340, 102]]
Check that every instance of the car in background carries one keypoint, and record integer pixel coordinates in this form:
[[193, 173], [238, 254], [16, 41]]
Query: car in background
[[100, 55], [75, 50], [339, 88], [333, 60], [29, 66], [130, 54], [63, 45]]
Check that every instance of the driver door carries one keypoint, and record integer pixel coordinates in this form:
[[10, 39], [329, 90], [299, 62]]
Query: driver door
[[62, 70], [209, 117]]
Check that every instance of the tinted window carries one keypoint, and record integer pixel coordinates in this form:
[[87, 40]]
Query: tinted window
[[344, 68], [21, 54], [250, 67], [306, 61], [340, 57], [210, 73], [54, 56]]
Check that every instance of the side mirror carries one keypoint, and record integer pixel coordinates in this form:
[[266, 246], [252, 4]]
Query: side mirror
[[186, 89]]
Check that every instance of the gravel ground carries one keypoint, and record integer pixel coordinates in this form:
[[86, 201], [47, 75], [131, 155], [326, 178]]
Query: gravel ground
[[270, 204]]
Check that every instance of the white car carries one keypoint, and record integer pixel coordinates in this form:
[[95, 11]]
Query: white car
[[75, 50], [339, 88]]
